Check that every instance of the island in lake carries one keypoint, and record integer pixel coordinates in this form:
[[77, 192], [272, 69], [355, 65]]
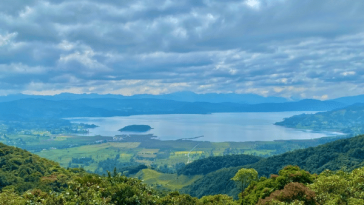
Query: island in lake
[[136, 128]]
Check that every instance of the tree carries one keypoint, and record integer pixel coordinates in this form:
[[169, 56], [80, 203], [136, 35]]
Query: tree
[[244, 177]]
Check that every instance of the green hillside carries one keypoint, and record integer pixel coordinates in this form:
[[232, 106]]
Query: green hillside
[[26, 178], [160, 180], [344, 153], [218, 182], [295, 186], [348, 120], [210, 164], [21, 171], [29, 179]]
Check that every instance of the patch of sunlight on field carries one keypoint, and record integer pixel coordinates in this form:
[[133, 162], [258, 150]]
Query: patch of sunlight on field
[[169, 181], [61, 138], [125, 156], [149, 151]]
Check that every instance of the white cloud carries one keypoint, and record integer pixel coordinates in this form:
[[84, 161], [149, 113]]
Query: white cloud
[[6, 38], [267, 47], [348, 73], [65, 45], [253, 3]]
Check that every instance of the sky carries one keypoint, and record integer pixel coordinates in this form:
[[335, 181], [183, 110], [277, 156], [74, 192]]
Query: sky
[[287, 48]]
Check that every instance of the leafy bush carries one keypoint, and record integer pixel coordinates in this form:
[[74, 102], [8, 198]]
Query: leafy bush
[[21, 171], [340, 187], [293, 191], [265, 187]]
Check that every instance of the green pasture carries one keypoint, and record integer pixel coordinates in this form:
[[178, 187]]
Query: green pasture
[[169, 181], [97, 152]]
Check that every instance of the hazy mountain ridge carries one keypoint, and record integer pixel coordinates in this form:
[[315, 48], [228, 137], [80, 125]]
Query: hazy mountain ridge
[[178, 96], [350, 100], [107, 107], [184, 96]]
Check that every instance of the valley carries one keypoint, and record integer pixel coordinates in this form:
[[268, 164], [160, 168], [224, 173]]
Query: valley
[[165, 157]]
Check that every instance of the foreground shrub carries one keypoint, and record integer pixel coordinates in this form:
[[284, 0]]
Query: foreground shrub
[[292, 192], [217, 200], [178, 199], [340, 187], [265, 187]]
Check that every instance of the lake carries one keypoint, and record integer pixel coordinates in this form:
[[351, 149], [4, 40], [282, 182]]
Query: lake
[[216, 127]]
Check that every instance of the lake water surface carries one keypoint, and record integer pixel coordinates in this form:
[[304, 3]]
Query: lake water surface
[[216, 127]]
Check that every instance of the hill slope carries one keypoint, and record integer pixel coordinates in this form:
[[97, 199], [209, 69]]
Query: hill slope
[[211, 164], [22, 171], [349, 120], [335, 155], [45, 182]]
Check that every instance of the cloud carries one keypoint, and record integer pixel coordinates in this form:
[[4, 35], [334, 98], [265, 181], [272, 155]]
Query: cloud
[[284, 48]]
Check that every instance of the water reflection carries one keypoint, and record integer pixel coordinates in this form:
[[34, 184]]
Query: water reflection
[[217, 127]]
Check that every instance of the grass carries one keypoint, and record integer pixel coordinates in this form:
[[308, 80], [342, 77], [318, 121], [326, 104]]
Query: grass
[[169, 181], [98, 153], [149, 151], [148, 156]]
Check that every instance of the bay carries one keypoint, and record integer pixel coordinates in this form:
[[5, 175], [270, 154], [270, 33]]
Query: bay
[[216, 127]]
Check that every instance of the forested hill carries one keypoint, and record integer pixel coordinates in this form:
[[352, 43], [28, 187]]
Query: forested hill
[[344, 153], [217, 182], [21, 171], [335, 155], [349, 120], [210, 164], [28, 179]]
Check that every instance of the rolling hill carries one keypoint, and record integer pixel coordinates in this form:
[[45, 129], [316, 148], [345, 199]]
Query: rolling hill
[[348, 120], [344, 153], [22, 171]]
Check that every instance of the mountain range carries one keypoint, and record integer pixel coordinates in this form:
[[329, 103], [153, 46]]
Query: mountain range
[[184, 96], [107, 107], [178, 96]]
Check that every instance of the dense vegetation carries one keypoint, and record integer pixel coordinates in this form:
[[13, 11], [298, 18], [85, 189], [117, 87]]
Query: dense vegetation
[[135, 128], [290, 175], [21, 171], [292, 186], [335, 155], [348, 120], [218, 182], [296, 186], [210, 164], [28, 179]]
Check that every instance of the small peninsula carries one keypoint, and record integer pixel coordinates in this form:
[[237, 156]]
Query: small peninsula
[[136, 128]]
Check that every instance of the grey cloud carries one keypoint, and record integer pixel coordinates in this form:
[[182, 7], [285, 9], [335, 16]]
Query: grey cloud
[[283, 48]]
